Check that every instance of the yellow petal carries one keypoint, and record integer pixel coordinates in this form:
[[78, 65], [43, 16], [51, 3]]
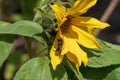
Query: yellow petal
[[64, 48], [59, 12], [55, 59], [75, 54], [81, 6], [82, 37], [88, 22]]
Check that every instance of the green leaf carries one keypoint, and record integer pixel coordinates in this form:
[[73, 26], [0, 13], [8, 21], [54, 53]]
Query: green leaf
[[113, 75], [113, 46], [105, 44], [102, 43], [97, 73], [103, 57], [2, 23], [40, 69], [6, 43], [24, 28]]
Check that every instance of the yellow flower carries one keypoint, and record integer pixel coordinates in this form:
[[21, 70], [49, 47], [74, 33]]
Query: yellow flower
[[73, 30]]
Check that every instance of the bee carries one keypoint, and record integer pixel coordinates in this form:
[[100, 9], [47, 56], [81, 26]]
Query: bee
[[59, 47]]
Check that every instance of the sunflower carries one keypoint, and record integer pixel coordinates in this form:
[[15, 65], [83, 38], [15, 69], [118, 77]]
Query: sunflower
[[74, 30]]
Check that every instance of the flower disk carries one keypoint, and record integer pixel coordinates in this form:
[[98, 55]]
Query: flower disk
[[74, 30]]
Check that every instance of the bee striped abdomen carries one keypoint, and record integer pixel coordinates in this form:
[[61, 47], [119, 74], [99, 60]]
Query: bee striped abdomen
[[59, 47]]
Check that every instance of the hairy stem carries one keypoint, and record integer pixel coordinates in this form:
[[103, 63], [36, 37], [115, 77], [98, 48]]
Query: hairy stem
[[29, 46]]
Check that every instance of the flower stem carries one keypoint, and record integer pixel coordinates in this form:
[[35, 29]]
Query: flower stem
[[29, 46]]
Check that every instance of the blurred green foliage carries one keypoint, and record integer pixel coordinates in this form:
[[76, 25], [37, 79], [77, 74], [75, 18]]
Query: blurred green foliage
[[27, 7]]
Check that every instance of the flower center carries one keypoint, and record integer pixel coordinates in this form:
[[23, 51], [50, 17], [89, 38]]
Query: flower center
[[65, 26]]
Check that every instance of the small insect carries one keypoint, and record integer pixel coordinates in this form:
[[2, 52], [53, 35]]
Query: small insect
[[59, 47]]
